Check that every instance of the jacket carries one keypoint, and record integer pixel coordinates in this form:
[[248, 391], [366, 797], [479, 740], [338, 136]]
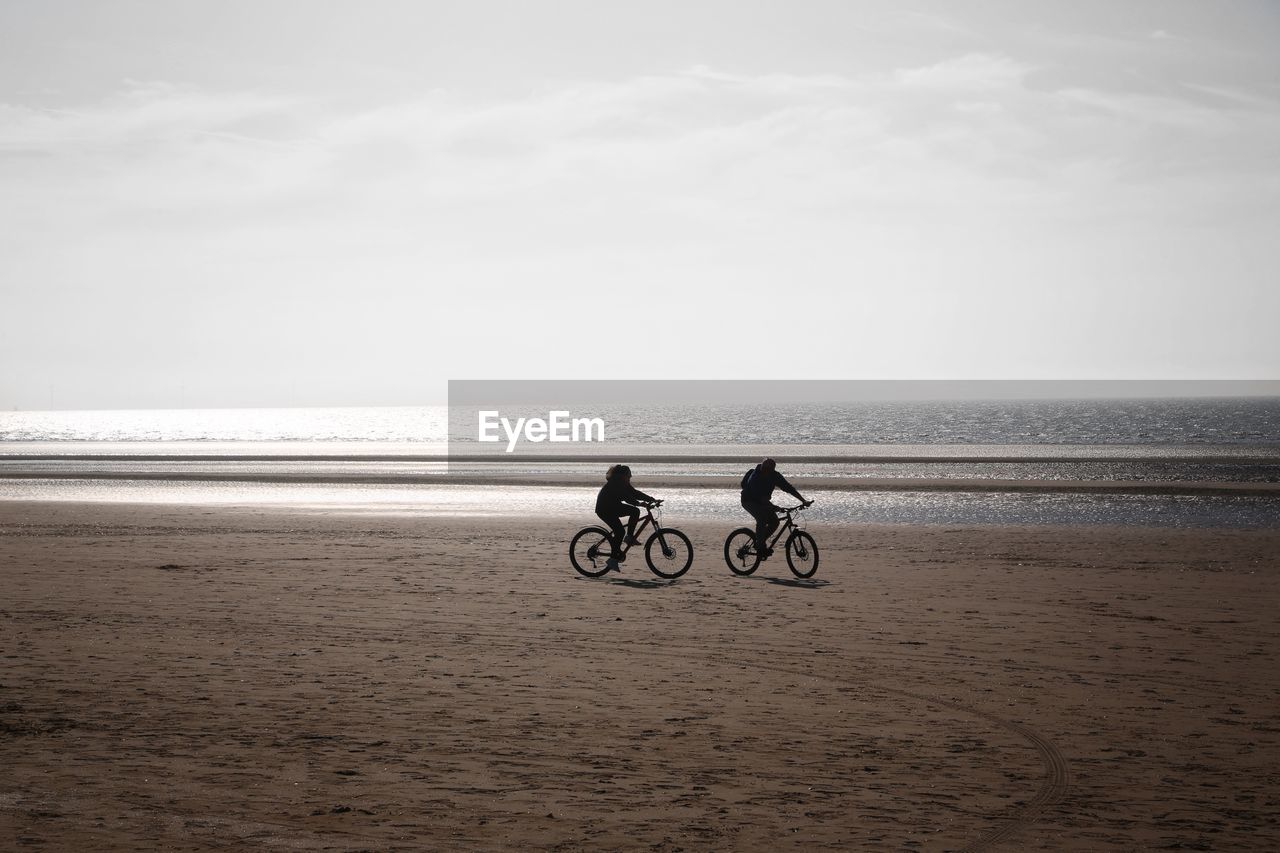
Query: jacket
[[615, 496], [761, 483]]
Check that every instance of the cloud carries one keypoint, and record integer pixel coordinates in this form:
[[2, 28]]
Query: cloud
[[689, 161], [1141, 109], [705, 139], [949, 188], [141, 113], [969, 73]]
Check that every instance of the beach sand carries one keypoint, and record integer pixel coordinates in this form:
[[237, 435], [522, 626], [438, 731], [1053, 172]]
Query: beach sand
[[203, 677]]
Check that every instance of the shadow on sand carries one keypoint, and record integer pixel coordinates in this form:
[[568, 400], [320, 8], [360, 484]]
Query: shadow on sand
[[641, 583], [794, 583]]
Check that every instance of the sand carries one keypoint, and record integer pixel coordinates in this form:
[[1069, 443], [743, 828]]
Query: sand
[[205, 677]]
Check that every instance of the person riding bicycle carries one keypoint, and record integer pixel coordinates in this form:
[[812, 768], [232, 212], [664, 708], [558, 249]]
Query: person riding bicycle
[[618, 499], [757, 493]]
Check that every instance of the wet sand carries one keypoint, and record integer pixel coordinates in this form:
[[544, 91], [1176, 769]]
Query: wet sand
[[202, 677]]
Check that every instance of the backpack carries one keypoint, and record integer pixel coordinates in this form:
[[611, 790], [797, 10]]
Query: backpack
[[746, 478]]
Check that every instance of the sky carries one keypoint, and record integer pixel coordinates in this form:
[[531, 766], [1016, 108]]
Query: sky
[[320, 203]]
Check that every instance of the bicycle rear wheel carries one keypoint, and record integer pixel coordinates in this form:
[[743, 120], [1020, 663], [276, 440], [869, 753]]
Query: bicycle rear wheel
[[802, 554], [590, 550], [740, 551], [669, 553]]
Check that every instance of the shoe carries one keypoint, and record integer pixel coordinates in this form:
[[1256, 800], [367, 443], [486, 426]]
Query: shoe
[[632, 541], [612, 565], [766, 553]]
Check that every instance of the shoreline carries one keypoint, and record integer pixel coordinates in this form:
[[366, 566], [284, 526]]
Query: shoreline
[[1227, 454], [876, 484]]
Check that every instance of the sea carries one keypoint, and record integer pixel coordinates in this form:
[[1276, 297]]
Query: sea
[[1203, 461]]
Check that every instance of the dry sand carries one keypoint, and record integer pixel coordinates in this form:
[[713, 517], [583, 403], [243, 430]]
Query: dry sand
[[199, 677]]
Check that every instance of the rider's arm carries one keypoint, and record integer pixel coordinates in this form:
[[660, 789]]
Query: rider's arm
[[788, 488], [634, 495]]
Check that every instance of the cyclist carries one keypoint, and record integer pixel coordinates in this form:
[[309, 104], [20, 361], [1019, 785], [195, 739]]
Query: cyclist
[[618, 498], [757, 493]]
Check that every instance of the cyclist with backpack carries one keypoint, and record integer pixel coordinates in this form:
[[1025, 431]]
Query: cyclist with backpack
[[757, 493]]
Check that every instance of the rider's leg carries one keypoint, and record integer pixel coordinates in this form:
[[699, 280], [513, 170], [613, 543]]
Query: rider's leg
[[766, 522], [633, 518], [615, 528], [771, 523]]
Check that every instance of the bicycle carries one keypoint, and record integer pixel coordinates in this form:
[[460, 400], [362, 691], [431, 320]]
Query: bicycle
[[668, 552], [802, 552]]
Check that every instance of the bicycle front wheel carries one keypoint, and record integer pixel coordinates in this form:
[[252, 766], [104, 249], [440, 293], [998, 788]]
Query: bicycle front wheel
[[740, 551], [802, 554], [590, 551], [669, 553]]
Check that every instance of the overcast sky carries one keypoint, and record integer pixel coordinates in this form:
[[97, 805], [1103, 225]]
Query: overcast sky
[[321, 203]]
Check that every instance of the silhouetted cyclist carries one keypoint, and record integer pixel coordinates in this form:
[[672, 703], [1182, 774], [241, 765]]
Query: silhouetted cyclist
[[757, 494], [616, 500]]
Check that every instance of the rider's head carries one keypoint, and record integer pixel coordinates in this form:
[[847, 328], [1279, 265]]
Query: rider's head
[[618, 472], [768, 464]]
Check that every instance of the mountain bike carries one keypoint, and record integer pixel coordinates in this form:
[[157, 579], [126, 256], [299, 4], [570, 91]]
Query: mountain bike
[[802, 552], [667, 551]]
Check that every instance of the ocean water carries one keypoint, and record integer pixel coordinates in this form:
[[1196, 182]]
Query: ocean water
[[389, 426], [1203, 422], [223, 456], [1240, 421], [574, 504]]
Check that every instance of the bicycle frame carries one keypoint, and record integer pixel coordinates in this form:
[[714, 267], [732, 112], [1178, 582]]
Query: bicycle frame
[[644, 522], [789, 524]]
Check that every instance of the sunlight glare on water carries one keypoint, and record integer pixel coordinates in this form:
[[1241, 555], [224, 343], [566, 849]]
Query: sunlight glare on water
[[362, 425], [575, 504]]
